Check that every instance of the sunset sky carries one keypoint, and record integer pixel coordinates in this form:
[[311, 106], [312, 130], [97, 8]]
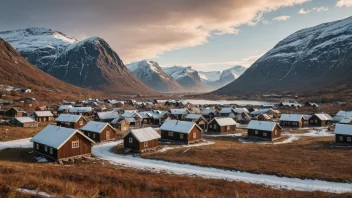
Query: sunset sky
[[205, 34]]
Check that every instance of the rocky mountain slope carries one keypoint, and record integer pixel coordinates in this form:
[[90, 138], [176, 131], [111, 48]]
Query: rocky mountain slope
[[90, 63], [16, 71], [187, 77], [308, 60], [151, 74], [216, 79]]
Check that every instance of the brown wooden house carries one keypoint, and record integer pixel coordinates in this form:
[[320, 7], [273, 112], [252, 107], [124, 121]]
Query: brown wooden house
[[320, 120], [198, 119], [141, 139], [59, 143], [107, 116], [15, 112], [71, 121], [43, 116], [343, 134], [181, 131], [264, 117], [25, 122], [291, 120], [99, 131], [264, 130], [222, 125]]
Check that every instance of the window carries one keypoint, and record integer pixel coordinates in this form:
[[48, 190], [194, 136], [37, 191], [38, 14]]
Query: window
[[294, 123], [75, 144], [93, 135], [37, 146], [316, 121], [51, 151], [256, 132], [349, 139], [46, 148], [88, 134], [265, 134], [181, 136], [215, 126], [211, 126], [311, 121], [275, 132], [194, 135], [171, 133], [341, 138], [44, 119], [80, 123], [130, 140], [145, 144]]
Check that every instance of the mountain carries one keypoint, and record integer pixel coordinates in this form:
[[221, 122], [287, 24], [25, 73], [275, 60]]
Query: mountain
[[16, 71], [151, 74], [90, 63], [216, 79], [308, 60], [187, 77]]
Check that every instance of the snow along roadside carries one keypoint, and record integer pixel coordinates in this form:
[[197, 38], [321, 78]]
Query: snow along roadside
[[102, 151], [21, 143], [167, 148]]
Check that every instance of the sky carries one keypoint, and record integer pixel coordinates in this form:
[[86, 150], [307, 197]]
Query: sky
[[208, 35]]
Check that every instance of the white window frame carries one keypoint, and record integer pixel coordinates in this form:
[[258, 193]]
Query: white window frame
[[256, 132], [44, 119], [130, 140], [194, 135], [46, 148], [171, 134], [81, 123], [93, 135], [75, 144], [275, 132], [88, 134], [37, 146], [181, 136], [349, 139], [51, 151]]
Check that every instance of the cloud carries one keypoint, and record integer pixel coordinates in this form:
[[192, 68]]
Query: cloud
[[344, 3], [281, 18], [316, 9], [140, 29]]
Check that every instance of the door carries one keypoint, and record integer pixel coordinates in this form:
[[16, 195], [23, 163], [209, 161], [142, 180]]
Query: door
[[108, 135]]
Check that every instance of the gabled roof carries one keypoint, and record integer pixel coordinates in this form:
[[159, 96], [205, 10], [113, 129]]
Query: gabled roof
[[94, 126], [260, 111], [178, 126], [266, 116], [226, 110], [43, 114], [144, 134], [224, 121], [323, 116], [261, 125], [179, 111], [342, 114], [241, 110], [65, 107], [107, 115], [193, 116], [346, 121], [144, 115], [128, 114], [80, 109], [291, 117], [24, 119], [209, 111], [130, 119], [343, 129], [68, 118], [55, 136]]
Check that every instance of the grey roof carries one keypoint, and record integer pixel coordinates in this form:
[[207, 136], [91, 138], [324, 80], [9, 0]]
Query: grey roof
[[178, 126], [224, 121], [291, 117], [68, 118], [144, 134], [24, 119], [261, 125], [43, 114], [343, 129], [94, 126]]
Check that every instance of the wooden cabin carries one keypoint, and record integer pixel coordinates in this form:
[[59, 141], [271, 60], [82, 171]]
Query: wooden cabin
[[15, 112], [59, 143], [141, 139], [264, 117], [107, 116], [210, 113], [144, 118], [178, 114], [311, 104], [25, 122], [198, 119], [64, 109], [222, 125], [291, 120], [99, 131], [158, 118], [180, 131], [263, 130], [85, 111], [225, 112], [343, 134], [71, 121], [43, 116], [121, 124], [320, 120]]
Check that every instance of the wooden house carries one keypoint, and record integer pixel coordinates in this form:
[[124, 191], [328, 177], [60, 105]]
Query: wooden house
[[85, 111], [291, 120], [181, 131], [158, 118], [42, 108], [107, 116], [99, 131], [144, 118], [264, 130], [264, 117], [346, 121], [320, 120], [198, 119], [222, 125], [121, 124], [226, 111], [15, 112], [64, 109], [343, 134], [141, 139], [25, 122], [71, 121], [311, 104], [59, 143], [43, 116], [210, 113], [178, 114]]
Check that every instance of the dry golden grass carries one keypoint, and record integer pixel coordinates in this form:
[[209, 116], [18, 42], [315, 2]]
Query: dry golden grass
[[14, 133], [308, 157], [99, 179]]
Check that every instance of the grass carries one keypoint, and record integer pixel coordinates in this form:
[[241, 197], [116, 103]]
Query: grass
[[309, 157], [14, 133]]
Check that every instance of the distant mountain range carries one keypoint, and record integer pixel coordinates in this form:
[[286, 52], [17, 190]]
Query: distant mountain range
[[216, 79], [308, 60], [90, 63]]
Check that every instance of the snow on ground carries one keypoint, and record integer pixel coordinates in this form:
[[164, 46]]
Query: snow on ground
[[21, 143], [222, 135], [103, 152], [34, 192], [167, 148]]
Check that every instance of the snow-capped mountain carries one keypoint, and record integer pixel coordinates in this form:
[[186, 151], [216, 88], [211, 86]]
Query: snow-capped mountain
[[151, 74], [90, 63], [216, 79], [308, 60], [187, 77]]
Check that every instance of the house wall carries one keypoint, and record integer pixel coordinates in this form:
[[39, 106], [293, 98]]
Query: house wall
[[344, 140], [292, 124], [215, 127], [85, 147], [186, 137], [269, 134], [42, 151], [100, 137], [150, 144], [134, 145], [75, 125], [315, 121], [44, 119]]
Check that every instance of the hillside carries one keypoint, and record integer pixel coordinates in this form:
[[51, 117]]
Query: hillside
[[216, 79], [151, 74], [90, 63], [308, 60]]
